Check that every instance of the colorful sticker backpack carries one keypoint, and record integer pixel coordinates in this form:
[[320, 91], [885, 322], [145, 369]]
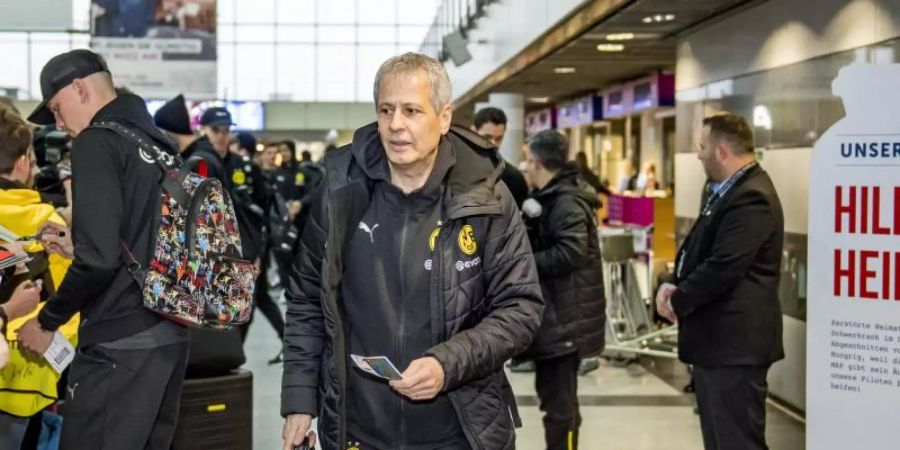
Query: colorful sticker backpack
[[196, 274]]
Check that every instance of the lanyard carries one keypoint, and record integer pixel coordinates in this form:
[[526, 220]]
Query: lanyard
[[724, 187], [713, 199]]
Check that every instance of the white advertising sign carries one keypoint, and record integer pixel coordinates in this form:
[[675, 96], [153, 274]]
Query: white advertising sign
[[853, 355], [158, 49]]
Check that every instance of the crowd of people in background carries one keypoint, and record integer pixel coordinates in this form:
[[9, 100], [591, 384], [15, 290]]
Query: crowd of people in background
[[504, 265]]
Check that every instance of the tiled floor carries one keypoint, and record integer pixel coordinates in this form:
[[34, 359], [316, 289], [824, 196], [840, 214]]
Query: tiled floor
[[623, 408]]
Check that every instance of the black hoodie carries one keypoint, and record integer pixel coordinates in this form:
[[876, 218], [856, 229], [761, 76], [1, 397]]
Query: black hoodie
[[116, 195], [567, 253]]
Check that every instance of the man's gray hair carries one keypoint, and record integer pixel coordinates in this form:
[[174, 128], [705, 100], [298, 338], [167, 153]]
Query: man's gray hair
[[441, 90]]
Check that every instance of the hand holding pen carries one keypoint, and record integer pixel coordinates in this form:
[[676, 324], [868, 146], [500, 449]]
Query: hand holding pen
[[56, 239]]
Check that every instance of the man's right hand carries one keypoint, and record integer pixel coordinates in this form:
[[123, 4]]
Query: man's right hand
[[296, 430], [57, 239], [662, 302]]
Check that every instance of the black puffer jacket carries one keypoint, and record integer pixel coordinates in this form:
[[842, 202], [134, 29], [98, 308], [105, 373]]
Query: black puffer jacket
[[567, 253], [483, 313]]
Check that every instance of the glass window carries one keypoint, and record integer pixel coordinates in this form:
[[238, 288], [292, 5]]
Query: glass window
[[255, 12], [254, 71], [341, 34], [325, 50], [295, 11], [225, 11], [225, 71], [254, 33], [380, 12], [370, 59], [80, 40], [42, 49], [225, 33], [377, 34], [412, 35], [295, 78], [295, 34], [331, 12], [415, 12], [334, 76], [81, 15], [14, 48]]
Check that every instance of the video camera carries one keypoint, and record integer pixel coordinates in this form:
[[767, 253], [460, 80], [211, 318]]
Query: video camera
[[52, 149]]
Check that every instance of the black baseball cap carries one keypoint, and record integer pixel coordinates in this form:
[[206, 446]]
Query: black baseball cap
[[216, 116], [60, 72]]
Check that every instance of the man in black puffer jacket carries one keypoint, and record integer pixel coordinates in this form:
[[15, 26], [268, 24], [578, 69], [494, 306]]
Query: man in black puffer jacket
[[561, 221], [417, 253]]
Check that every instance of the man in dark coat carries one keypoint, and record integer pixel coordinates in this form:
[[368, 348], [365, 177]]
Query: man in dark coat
[[563, 232], [724, 293], [417, 253], [490, 123]]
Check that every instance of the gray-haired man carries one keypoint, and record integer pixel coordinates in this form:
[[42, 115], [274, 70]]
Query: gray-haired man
[[418, 254]]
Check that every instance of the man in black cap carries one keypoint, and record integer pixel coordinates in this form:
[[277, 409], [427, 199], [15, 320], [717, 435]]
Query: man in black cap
[[215, 124], [173, 118], [245, 179], [125, 382]]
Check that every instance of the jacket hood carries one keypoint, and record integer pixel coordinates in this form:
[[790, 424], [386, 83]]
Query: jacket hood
[[569, 181], [471, 181], [129, 109]]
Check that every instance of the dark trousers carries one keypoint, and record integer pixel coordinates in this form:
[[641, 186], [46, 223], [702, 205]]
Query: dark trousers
[[263, 301], [556, 382], [123, 399], [732, 403]]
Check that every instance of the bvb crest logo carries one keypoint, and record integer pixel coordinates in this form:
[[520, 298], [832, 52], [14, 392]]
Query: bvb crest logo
[[466, 240], [238, 177]]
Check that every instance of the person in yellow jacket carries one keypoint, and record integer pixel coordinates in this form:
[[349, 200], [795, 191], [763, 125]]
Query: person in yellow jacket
[[27, 382]]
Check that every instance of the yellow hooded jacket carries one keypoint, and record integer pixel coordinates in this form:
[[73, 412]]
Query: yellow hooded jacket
[[27, 382]]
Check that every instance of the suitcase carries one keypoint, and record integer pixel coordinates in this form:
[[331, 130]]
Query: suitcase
[[216, 413]]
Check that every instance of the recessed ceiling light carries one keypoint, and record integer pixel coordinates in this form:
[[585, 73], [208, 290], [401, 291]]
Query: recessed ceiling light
[[539, 99], [659, 18], [610, 47], [564, 70], [619, 36]]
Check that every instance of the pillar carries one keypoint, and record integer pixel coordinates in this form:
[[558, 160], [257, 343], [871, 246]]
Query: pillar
[[514, 107]]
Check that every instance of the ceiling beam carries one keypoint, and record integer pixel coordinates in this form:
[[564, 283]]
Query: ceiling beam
[[578, 23]]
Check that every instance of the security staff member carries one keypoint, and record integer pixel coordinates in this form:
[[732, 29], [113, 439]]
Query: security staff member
[[294, 178], [724, 294], [250, 194], [255, 196]]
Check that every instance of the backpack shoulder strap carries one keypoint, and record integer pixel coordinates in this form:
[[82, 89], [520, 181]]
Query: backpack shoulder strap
[[163, 160]]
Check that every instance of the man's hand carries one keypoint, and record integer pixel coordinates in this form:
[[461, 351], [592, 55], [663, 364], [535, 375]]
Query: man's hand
[[422, 380], [296, 430], [23, 300], [34, 338], [57, 239], [294, 208], [662, 302]]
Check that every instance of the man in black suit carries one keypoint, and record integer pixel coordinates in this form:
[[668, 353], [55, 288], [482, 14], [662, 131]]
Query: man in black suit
[[724, 294]]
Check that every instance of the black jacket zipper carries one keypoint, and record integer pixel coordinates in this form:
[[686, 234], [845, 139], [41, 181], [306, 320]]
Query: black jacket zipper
[[401, 313]]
